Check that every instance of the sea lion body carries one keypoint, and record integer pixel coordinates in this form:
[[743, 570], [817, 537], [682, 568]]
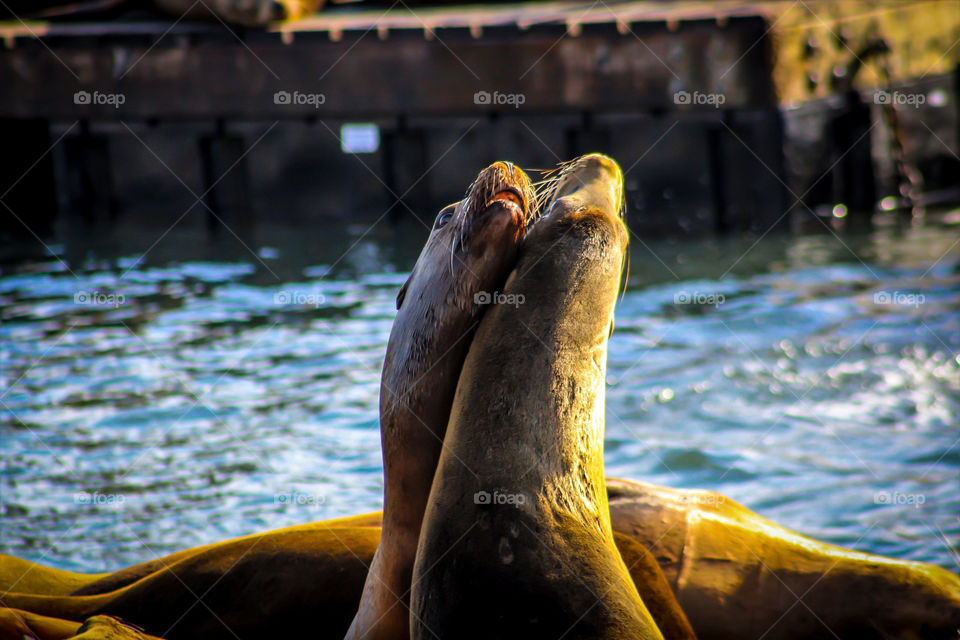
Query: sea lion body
[[467, 257], [739, 575], [17, 625], [516, 542], [302, 581]]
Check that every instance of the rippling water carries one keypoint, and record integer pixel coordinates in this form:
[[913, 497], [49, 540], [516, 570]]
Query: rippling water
[[161, 396]]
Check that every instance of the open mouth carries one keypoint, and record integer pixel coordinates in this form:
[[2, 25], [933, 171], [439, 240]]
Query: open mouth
[[512, 197], [500, 188]]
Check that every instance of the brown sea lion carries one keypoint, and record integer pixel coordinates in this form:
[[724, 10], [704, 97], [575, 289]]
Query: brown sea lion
[[295, 582], [23, 576], [466, 259], [738, 575], [23, 625], [17, 625], [516, 541]]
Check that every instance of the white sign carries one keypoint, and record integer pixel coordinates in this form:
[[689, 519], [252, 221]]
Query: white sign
[[360, 138]]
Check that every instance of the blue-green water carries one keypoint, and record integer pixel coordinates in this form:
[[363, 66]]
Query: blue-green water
[[160, 396]]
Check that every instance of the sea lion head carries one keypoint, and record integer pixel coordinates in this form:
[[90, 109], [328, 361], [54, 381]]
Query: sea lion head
[[473, 243], [593, 180], [472, 246]]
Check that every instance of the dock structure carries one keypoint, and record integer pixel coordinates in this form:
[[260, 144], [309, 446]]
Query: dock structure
[[383, 110]]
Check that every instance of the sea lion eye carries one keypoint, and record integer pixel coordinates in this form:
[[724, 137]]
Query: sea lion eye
[[443, 219]]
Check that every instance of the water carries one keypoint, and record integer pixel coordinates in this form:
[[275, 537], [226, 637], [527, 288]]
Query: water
[[231, 391]]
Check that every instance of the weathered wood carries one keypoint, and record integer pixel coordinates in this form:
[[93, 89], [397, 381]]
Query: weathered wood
[[211, 77]]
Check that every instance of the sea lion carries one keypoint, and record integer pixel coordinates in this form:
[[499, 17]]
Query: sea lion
[[738, 575], [700, 539], [470, 251], [21, 625], [17, 625], [302, 581], [516, 541]]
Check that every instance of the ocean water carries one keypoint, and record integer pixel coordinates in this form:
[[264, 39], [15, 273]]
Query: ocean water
[[157, 395]]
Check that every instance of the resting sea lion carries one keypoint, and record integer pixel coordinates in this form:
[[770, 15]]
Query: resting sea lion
[[17, 625], [466, 259], [302, 581], [20, 625], [516, 541], [738, 575]]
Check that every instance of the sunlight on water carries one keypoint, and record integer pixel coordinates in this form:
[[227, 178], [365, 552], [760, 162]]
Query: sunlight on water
[[152, 403]]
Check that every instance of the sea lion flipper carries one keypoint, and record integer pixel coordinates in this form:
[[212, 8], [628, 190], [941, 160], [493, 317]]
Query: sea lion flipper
[[654, 589]]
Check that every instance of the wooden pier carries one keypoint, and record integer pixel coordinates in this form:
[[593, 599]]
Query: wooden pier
[[156, 118]]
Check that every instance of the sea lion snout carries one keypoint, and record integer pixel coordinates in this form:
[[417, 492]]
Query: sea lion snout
[[498, 201], [593, 180]]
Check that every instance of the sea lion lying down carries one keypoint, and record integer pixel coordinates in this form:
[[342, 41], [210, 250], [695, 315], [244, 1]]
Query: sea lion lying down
[[736, 575]]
